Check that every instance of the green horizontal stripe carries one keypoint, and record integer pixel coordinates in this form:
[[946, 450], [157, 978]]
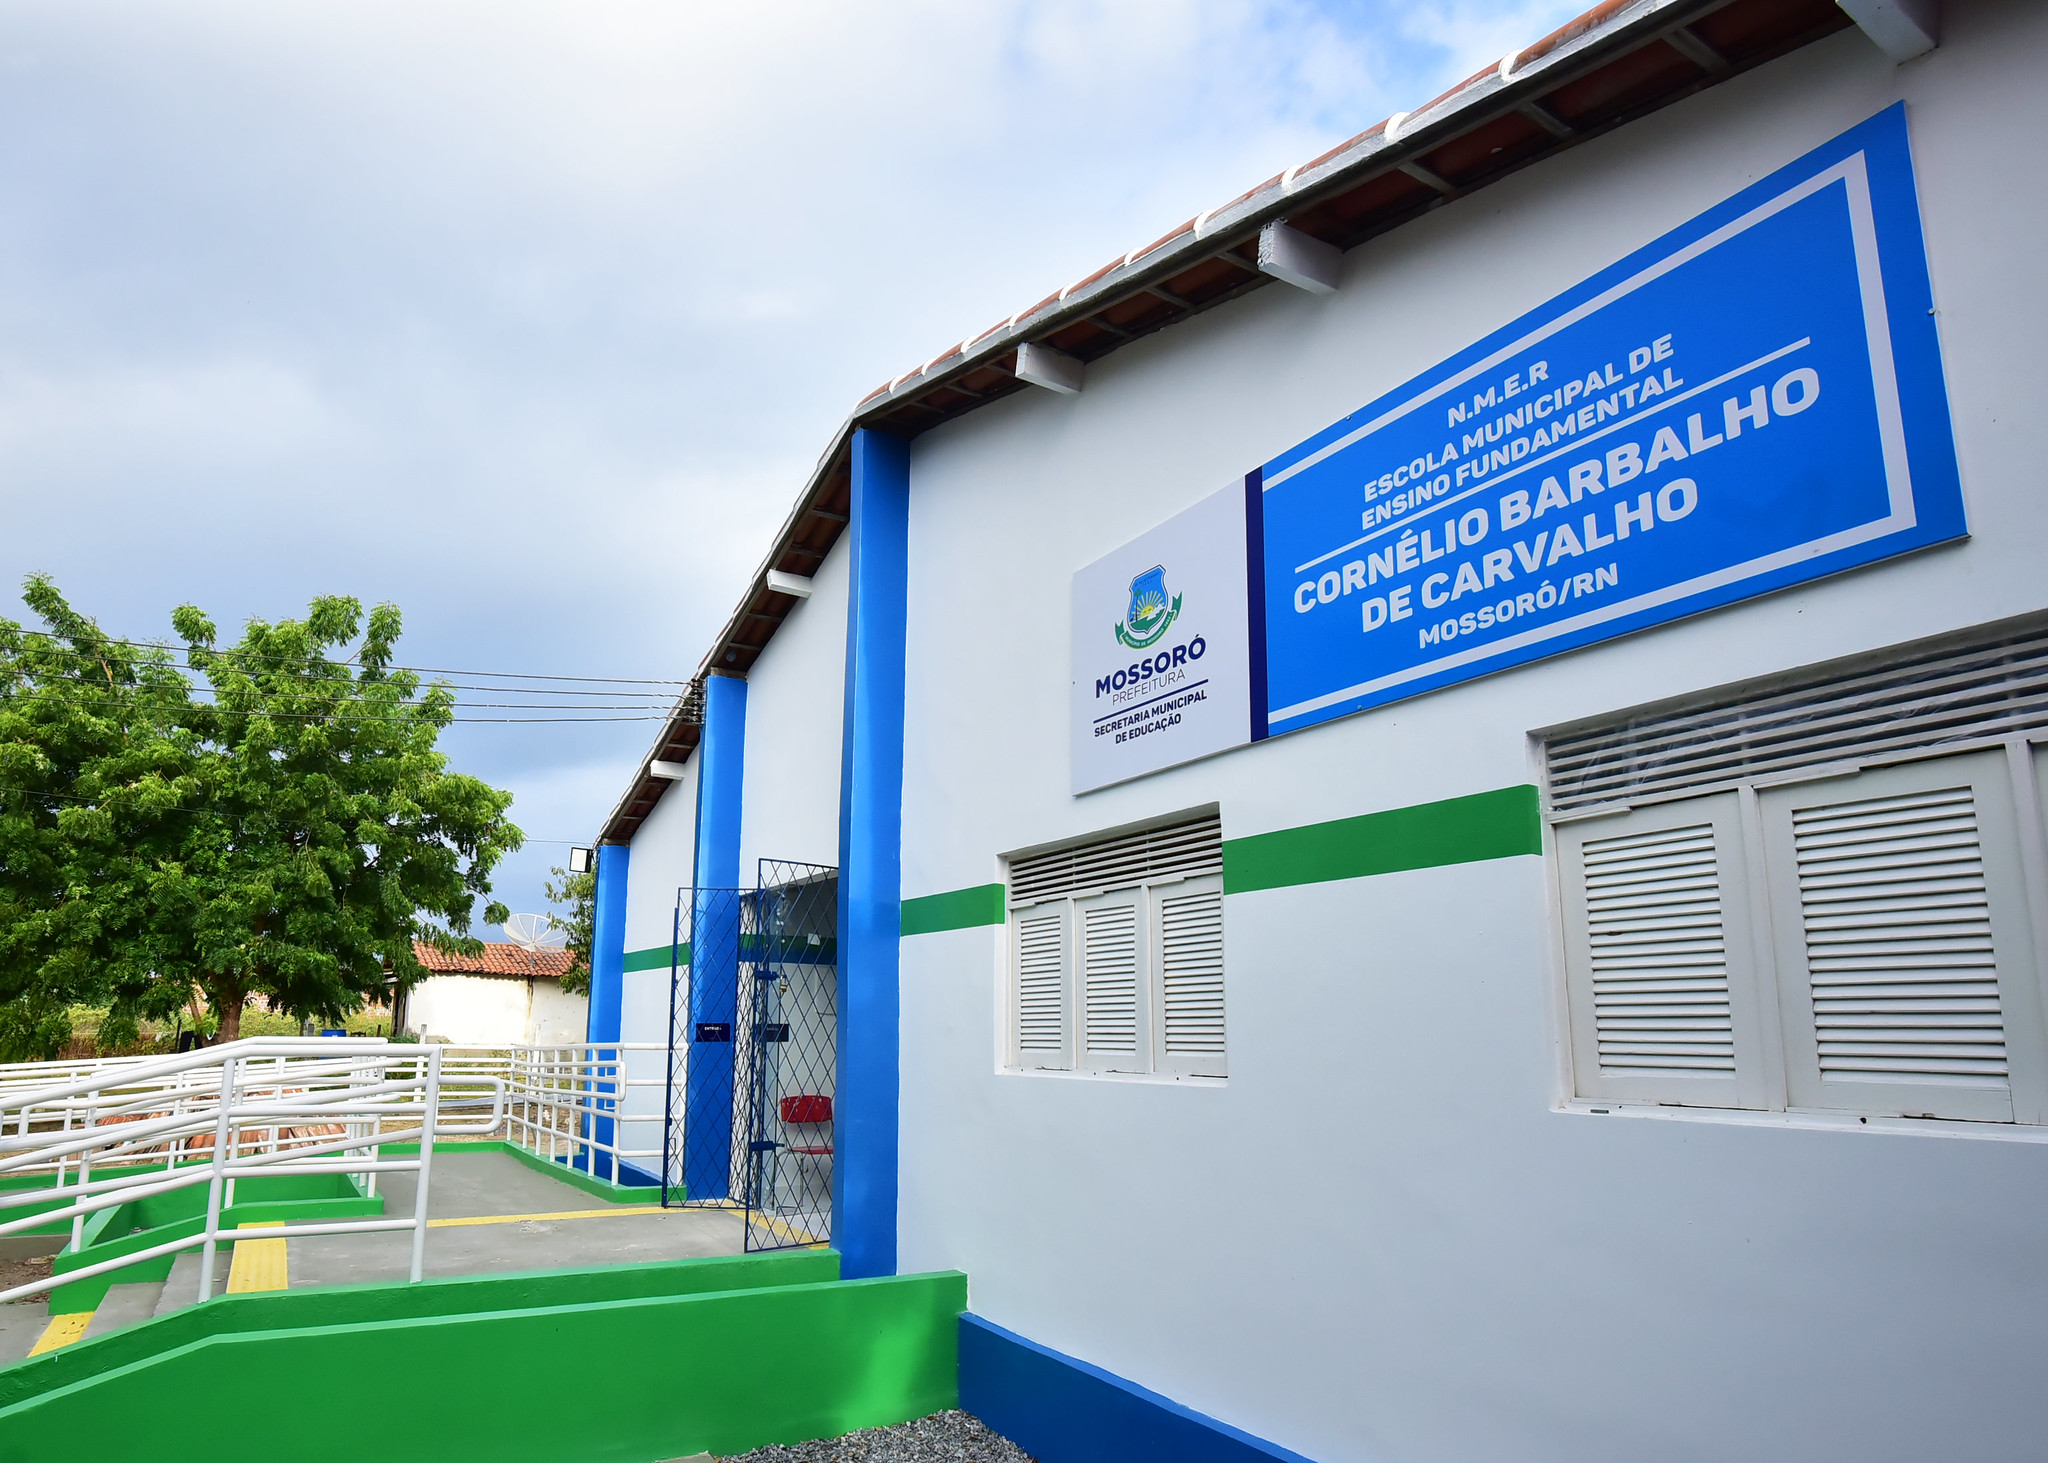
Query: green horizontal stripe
[[785, 950], [956, 909], [1487, 825]]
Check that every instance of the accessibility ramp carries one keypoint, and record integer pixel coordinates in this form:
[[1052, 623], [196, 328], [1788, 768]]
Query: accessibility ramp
[[617, 1364]]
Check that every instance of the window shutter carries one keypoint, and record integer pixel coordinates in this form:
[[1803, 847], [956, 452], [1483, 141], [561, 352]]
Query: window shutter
[[1118, 953], [1190, 1012], [1122, 862], [1111, 931], [1041, 1003], [1899, 907], [1910, 697], [1657, 955]]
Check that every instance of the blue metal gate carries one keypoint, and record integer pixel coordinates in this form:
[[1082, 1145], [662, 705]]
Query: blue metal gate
[[753, 1053]]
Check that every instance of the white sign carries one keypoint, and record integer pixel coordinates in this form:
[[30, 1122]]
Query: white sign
[[1161, 648]]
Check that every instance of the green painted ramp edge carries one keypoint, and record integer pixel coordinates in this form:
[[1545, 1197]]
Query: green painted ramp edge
[[627, 1381], [331, 1305]]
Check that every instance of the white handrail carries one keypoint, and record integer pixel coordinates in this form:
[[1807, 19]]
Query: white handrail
[[68, 1119], [560, 1093], [118, 1073], [265, 1114]]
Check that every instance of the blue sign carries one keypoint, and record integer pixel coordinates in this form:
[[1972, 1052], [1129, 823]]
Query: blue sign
[[1753, 401]]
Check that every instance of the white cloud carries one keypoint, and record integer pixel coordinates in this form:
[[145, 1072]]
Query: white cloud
[[1474, 34]]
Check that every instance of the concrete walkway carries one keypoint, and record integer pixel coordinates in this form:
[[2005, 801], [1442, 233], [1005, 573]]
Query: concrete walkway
[[486, 1212], [532, 1222]]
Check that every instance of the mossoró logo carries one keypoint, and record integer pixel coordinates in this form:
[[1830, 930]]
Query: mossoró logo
[[1152, 611], [1149, 613]]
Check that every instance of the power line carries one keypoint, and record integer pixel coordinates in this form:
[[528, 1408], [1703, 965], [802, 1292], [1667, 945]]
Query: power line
[[346, 705], [232, 654], [362, 715], [99, 699], [465, 686], [189, 811], [72, 797]]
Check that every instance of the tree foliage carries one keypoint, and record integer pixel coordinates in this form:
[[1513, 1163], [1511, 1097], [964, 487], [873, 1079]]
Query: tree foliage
[[287, 830], [576, 891], [95, 775]]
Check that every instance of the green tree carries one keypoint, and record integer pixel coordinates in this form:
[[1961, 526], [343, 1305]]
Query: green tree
[[290, 834], [332, 834], [96, 768], [576, 891]]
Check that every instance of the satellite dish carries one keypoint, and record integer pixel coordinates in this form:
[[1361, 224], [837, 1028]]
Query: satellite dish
[[535, 932]]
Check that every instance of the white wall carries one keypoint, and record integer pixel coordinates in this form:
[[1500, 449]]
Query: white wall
[[494, 1010], [664, 853], [555, 1015], [794, 721], [1381, 1238]]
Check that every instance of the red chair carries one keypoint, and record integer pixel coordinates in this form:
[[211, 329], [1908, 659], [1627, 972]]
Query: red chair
[[808, 1109], [813, 1184]]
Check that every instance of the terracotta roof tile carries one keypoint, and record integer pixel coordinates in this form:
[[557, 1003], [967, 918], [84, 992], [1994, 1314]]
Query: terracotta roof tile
[[1480, 75], [500, 957], [1166, 238], [1571, 30], [1315, 162]]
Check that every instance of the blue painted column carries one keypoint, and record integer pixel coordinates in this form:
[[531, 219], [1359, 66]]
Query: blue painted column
[[715, 941], [607, 974], [871, 858]]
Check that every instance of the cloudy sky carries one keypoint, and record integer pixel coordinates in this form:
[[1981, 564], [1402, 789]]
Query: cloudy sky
[[532, 317]]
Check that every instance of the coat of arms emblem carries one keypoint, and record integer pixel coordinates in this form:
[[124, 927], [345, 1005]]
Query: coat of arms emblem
[[1151, 610]]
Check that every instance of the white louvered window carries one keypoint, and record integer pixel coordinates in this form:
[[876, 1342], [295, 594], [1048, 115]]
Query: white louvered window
[[1903, 934], [1189, 1010], [1825, 931], [1117, 954], [1114, 1035], [1040, 1002], [1658, 953]]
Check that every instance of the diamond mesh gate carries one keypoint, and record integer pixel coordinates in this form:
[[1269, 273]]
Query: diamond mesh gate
[[789, 1051], [753, 1048]]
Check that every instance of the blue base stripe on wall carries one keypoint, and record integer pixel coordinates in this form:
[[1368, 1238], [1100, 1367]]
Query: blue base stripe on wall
[[1060, 1410]]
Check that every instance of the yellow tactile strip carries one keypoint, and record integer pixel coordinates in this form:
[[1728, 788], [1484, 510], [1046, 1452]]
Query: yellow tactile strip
[[615, 1212], [259, 1264], [62, 1331]]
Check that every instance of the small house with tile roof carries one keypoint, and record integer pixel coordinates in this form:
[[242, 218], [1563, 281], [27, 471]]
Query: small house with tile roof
[[508, 994]]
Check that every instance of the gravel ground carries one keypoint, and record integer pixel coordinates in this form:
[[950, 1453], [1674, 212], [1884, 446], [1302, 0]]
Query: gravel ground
[[944, 1437], [21, 1272]]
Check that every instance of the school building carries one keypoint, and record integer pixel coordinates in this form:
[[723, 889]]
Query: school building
[[1410, 821]]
